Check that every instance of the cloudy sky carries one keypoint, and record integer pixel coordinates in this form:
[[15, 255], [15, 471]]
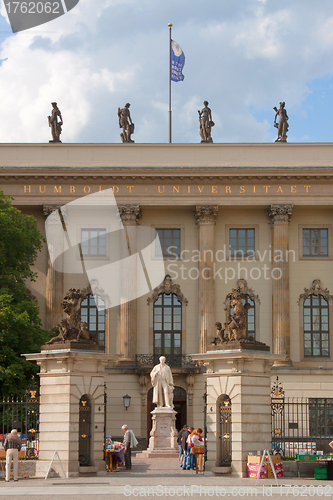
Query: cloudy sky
[[243, 56]]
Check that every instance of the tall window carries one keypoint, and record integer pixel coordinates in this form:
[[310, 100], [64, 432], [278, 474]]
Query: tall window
[[316, 326], [315, 242], [93, 317], [321, 417], [168, 326], [93, 242], [241, 242], [251, 318], [170, 242]]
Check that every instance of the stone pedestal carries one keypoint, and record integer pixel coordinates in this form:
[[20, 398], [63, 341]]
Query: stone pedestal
[[65, 376], [163, 436], [244, 376]]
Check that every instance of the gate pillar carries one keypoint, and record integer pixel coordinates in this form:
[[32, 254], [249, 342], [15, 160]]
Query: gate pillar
[[243, 376], [65, 377]]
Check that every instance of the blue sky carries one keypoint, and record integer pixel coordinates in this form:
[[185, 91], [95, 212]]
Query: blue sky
[[243, 56]]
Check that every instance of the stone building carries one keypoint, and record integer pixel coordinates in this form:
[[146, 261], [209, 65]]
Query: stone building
[[252, 216]]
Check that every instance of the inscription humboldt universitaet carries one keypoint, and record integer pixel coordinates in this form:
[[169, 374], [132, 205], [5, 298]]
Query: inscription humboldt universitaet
[[170, 189]]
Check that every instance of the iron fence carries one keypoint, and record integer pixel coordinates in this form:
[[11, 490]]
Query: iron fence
[[300, 425], [22, 414]]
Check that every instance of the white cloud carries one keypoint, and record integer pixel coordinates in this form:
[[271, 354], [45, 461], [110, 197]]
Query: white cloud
[[243, 57]]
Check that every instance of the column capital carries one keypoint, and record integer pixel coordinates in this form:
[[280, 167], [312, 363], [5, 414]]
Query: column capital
[[130, 214], [53, 210], [206, 214], [49, 209], [279, 214]]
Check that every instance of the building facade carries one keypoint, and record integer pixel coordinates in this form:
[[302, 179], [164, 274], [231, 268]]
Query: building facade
[[256, 217]]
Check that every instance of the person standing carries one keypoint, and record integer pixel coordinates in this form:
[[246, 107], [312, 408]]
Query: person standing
[[129, 442], [12, 445], [179, 441], [186, 462]]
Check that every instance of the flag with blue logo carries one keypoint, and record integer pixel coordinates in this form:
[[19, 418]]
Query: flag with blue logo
[[177, 62]]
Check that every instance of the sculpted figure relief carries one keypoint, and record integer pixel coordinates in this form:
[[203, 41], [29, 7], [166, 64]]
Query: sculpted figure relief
[[206, 123], [237, 322], [72, 328], [235, 327], [54, 124], [282, 125], [162, 382], [125, 122]]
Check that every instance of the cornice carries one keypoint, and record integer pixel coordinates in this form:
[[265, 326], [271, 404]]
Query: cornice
[[7, 178]]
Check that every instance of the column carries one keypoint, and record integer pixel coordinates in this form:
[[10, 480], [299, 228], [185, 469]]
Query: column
[[130, 215], [205, 217], [280, 216], [54, 292]]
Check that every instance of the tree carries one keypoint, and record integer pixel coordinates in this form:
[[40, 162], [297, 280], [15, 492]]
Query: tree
[[20, 325]]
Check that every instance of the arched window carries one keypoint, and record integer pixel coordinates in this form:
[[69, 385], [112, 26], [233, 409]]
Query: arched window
[[93, 317], [316, 326], [168, 326]]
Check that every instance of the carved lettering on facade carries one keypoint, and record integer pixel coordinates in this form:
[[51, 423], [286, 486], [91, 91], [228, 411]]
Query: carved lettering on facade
[[167, 190]]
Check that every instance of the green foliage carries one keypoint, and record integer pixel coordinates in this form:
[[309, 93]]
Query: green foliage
[[20, 326]]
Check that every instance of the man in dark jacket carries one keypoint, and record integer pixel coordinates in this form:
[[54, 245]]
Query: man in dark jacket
[[186, 462], [179, 441], [12, 445]]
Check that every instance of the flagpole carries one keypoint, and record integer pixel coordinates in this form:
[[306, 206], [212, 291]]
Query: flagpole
[[170, 112]]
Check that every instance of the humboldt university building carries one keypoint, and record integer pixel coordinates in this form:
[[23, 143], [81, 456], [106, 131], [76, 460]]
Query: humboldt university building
[[252, 217]]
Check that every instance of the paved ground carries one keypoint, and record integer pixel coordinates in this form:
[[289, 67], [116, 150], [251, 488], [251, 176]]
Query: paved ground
[[162, 478]]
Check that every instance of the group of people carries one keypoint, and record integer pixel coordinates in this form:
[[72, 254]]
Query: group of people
[[186, 440]]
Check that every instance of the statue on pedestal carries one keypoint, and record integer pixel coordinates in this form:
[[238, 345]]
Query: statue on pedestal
[[125, 122], [54, 124], [282, 125], [162, 382], [235, 328], [206, 123], [72, 329]]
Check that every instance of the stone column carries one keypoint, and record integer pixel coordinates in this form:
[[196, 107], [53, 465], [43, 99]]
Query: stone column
[[205, 217], [280, 216], [54, 280], [130, 215]]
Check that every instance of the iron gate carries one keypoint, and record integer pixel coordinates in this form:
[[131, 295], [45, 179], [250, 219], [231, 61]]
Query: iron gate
[[225, 431], [84, 430], [22, 414], [300, 425]]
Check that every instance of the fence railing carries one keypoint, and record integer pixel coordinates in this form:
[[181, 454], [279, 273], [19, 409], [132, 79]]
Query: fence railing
[[301, 425], [22, 414]]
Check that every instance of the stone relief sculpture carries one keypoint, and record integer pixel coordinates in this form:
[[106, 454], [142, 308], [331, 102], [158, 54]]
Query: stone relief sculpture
[[72, 328], [206, 123], [237, 322], [54, 124], [162, 382], [282, 125], [125, 122]]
